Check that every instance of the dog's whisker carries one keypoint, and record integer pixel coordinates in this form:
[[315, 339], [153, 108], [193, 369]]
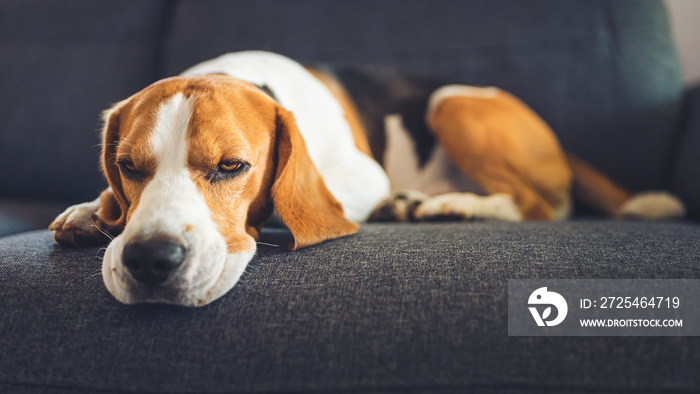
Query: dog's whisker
[[267, 244], [106, 234]]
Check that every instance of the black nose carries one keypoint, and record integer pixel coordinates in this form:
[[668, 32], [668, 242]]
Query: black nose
[[151, 262]]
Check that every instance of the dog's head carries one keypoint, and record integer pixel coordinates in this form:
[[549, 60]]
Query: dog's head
[[196, 165]]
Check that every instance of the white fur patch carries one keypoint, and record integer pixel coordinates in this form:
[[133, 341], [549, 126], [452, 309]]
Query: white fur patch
[[654, 205], [563, 211], [170, 204], [400, 158], [438, 176], [80, 216], [448, 91], [496, 206], [169, 137]]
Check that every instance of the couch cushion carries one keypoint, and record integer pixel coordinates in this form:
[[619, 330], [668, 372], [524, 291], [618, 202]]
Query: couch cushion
[[62, 64], [393, 308], [604, 74]]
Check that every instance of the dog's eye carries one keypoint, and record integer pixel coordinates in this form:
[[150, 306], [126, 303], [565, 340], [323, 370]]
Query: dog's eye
[[127, 165], [228, 169], [129, 170]]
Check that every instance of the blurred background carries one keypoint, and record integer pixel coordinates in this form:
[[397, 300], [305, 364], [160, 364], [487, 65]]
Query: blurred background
[[685, 26]]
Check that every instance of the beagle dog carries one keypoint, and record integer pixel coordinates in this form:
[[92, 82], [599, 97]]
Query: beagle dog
[[196, 164]]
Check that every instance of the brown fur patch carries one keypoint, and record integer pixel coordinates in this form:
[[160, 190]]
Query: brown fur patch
[[300, 195], [507, 148], [596, 189]]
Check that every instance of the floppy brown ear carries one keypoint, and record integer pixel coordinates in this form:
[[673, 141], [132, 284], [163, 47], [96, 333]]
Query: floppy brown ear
[[113, 204], [301, 198]]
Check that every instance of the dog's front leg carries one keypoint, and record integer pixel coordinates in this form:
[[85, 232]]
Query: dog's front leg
[[80, 226], [467, 206], [400, 206]]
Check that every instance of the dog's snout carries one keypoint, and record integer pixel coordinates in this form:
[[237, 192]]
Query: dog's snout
[[152, 262]]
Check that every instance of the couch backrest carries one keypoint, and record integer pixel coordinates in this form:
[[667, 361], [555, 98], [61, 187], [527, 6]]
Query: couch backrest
[[61, 64], [603, 73]]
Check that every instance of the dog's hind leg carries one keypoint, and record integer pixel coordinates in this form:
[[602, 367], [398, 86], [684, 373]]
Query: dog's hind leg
[[505, 147]]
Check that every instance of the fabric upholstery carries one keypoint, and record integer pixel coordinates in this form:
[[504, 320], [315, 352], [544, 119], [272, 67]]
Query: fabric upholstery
[[392, 308], [62, 64], [395, 308]]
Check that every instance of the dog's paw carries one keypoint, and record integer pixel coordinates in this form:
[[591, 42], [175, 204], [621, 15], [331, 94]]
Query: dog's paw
[[400, 206], [77, 226], [448, 207], [654, 206], [467, 206]]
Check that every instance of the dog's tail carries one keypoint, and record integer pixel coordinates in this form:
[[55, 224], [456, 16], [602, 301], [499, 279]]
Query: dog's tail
[[601, 193]]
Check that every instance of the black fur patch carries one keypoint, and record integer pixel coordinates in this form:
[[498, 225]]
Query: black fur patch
[[381, 91], [266, 89]]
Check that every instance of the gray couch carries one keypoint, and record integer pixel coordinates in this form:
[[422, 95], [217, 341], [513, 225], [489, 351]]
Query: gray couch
[[396, 308]]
